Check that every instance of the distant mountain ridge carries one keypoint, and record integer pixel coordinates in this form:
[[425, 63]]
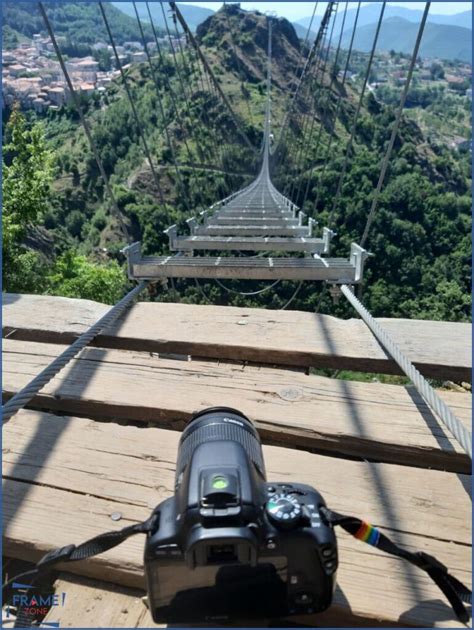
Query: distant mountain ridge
[[370, 13], [439, 40], [446, 36], [193, 15]]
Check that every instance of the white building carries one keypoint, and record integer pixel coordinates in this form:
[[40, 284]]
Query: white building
[[57, 95], [138, 57], [86, 67]]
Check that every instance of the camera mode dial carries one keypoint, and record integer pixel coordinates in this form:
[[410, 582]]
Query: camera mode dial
[[283, 510]]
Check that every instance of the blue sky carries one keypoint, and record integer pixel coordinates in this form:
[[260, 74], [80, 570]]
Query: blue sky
[[297, 10]]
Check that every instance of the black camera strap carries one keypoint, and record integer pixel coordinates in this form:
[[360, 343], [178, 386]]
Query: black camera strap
[[70, 553], [456, 593]]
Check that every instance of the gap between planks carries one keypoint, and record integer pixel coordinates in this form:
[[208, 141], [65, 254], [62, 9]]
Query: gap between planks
[[439, 350], [380, 422]]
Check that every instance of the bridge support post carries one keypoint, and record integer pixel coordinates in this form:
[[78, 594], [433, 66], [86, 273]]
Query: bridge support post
[[133, 254], [327, 238], [358, 258], [192, 223], [172, 233]]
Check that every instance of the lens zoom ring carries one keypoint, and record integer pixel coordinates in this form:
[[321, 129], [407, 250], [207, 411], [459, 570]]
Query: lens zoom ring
[[220, 431]]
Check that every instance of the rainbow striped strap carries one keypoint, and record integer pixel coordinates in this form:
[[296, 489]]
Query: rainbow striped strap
[[368, 534]]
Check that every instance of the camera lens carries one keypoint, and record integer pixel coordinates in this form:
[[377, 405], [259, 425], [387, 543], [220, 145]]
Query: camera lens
[[220, 423]]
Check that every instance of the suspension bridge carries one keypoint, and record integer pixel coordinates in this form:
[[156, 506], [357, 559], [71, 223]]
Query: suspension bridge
[[398, 452]]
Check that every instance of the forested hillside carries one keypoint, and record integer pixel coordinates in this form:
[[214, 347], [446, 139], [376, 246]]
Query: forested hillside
[[439, 40], [421, 236], [79, 23]]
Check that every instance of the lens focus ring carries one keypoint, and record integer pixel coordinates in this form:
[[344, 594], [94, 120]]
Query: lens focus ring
[[220, 425]]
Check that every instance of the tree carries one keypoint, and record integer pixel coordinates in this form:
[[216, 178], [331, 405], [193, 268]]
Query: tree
[[104, 58], [74, 276], [27, 175], [436, 71]]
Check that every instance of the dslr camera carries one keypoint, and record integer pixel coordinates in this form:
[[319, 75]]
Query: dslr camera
[[230, 545]]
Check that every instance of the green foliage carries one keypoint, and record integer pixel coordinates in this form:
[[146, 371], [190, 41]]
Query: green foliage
[[80, 23], [10, 38], [27, 175], [420, 237], [436, 71], [104, 58], [74, 276]]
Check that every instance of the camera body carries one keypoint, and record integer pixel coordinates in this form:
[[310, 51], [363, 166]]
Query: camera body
[[229, 545]]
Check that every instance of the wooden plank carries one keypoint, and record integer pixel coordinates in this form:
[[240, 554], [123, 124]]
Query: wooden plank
[[440, 350], [82, 471], [370, 420], [97, 604]]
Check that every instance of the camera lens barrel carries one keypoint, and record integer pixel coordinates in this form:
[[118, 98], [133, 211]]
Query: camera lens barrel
[[217, 424]]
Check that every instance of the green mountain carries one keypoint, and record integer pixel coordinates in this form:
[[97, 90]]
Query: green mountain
[[369, 13], [421, 233], [442, 41], [193, 15], [80, 22]]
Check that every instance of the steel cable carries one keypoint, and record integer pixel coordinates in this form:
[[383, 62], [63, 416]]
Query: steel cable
[[444, 413], [307, 64], [336, 110], [338, 107], [396, 126], [325, 105], [356, 117], [24, 396], [308, 118], [299, 67], [85, 124], [132, 104], [187, 201]]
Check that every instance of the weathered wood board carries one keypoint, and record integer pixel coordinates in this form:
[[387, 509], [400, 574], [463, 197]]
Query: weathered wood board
[[95, 604], [440, 350], [81, 471], [371, 420]]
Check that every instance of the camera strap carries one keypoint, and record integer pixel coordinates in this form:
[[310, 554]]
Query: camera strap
[[456, 593], [70, 553]]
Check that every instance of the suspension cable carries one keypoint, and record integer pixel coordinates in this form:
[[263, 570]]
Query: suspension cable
[[132, 103], [168, 82], [336, 115], [196, 46], [356, 117], [163, 114], [25, 395], [85, 124], [326, 112], [308, 118], [307, 64], [323, 68], [173, 102], [299, 67], [247, 293], [239, 64], [203, 117], [396, 127], [186, 97], [173, 95], [456, 428]]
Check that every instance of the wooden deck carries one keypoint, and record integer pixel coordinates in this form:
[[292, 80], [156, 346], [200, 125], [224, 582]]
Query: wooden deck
[[102, 438]]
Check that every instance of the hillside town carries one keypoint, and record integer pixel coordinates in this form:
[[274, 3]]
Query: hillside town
[[392, 68], [32, 76]]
